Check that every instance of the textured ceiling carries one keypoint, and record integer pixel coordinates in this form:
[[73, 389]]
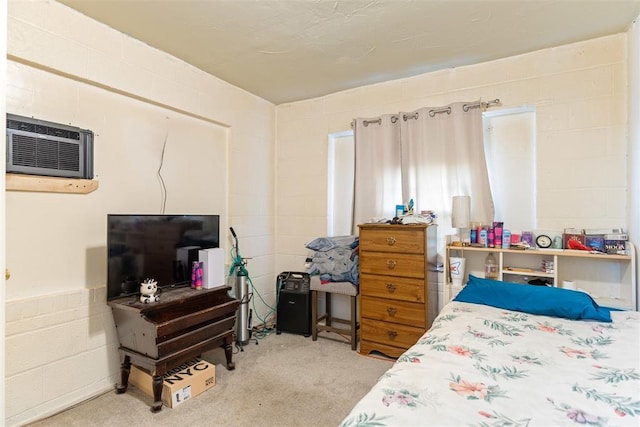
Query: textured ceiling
[[288, 50]]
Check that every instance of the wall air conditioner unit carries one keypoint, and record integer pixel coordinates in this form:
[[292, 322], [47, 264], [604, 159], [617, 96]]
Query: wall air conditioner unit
[[38, 147]]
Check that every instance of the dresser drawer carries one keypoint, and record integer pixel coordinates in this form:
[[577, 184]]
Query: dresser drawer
[[399, 238], [407, 313], [392, 264], [391, 334], [397, 288]]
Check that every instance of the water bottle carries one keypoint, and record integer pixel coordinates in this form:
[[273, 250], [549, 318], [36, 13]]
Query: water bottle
[[490, 267]]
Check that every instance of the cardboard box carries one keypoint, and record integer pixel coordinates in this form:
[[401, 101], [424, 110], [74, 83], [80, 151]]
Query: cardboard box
[[595, 242], [180, 383], [615, 247], [572, 236], [213, 270]]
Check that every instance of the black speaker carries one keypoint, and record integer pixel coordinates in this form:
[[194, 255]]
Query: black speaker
[[294, 303]]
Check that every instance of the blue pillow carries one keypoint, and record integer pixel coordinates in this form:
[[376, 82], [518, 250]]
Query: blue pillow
[[544, 300]]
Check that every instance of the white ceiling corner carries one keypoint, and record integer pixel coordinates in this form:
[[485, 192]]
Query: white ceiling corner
[[289, 50]]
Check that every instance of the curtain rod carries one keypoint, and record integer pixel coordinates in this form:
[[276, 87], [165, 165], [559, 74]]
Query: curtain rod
[[432, 113], [487, 104], [465, 108]]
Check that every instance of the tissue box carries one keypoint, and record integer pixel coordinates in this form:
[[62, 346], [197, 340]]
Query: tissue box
[[180, 384]]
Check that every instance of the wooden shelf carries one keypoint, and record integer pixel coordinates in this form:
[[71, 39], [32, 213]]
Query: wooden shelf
[[516, 271], [48, 184], [609, 279], [550, 252]]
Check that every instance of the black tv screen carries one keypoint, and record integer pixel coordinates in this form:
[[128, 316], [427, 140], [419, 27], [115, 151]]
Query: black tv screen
[[159, 247]]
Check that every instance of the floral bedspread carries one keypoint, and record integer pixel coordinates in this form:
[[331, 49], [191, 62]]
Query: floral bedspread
[[484, 366]]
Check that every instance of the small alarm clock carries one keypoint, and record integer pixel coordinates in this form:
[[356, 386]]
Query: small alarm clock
[[543, 241]]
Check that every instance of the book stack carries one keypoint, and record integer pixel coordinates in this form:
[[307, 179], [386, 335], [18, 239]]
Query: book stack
[[616, 243], [607, 240]]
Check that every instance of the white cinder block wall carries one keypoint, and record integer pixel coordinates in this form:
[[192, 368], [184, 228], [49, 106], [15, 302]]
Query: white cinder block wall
[[61, 346], [66, 67], [59, 350], [580, 94]]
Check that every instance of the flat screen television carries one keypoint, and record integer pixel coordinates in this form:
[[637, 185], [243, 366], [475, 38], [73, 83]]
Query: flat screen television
[[159, 247]]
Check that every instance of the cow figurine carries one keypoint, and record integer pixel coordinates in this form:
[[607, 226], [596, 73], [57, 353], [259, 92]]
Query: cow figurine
[[149, 291]]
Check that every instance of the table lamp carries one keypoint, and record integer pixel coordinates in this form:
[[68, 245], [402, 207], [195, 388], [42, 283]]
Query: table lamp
[[461, 215]]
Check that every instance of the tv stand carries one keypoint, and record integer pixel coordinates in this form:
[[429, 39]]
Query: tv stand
[[182, 325]]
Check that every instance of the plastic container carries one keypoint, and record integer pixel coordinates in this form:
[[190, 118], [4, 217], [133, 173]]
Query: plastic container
[[490, 237], [482, 237], [497, 231], [506, 239]]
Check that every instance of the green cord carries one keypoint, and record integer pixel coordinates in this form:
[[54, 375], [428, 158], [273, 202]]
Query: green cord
[[237, 264], [238, 269], [262, 333]]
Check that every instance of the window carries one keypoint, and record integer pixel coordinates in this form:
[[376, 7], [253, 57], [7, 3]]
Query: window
[[509, 141], [340, 176]]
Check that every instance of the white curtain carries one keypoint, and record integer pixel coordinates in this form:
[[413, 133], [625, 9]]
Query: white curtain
[[441, 155], [377, 183]]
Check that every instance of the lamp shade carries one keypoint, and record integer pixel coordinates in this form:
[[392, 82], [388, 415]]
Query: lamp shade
[[461, 212]]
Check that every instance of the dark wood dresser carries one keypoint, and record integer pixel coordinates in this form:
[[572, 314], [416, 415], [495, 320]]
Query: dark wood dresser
[[159, 336], [397, 264]]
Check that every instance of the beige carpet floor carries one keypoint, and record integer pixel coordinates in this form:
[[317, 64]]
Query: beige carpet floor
[[285, 380]]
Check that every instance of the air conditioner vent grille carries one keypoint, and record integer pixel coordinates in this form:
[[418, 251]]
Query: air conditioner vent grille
[[42, 129], [68, 156], [42, 153]]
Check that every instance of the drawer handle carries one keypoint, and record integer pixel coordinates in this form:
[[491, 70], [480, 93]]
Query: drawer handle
[[391, 264], [392, 334], [391, 241], [391, 288], [392, 311]]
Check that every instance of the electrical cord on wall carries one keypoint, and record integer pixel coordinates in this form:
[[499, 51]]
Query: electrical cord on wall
[[163, 187]]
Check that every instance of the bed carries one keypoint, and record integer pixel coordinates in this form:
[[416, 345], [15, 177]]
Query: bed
[[534, 358]]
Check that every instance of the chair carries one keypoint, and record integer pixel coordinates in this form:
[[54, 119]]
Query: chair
[[343, 288]]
